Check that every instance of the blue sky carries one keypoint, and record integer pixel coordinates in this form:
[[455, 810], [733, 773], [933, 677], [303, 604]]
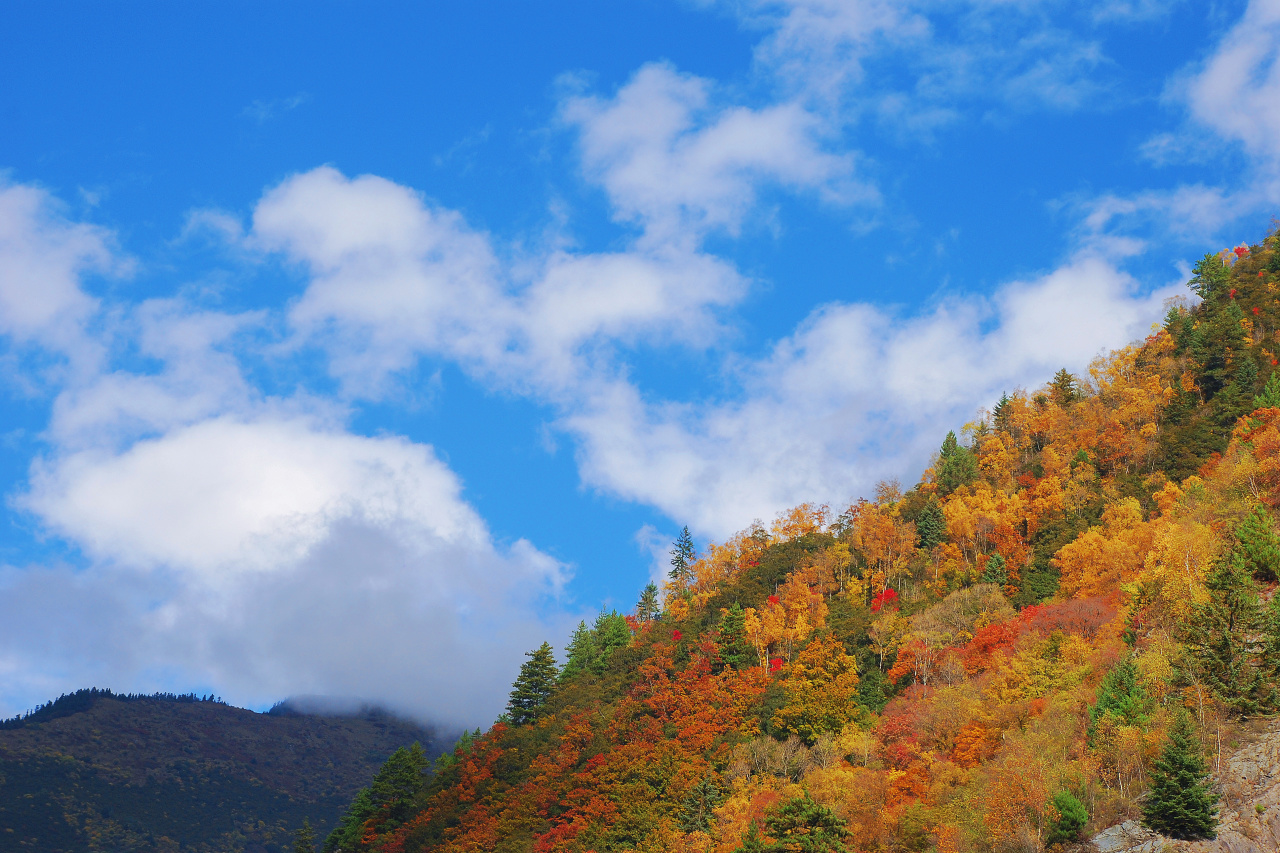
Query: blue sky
[[353, 349]]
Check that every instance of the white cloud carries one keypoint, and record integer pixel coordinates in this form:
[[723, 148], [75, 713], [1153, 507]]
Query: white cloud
[[853, 396], [268, 554], [392, 279], [915, 64], [42, 256], [679, 165], [250, 544], [1237, 91], [230, 494]]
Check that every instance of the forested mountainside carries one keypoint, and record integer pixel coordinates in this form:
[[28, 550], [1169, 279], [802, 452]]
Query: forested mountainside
[[1051, 632], [97, 771]]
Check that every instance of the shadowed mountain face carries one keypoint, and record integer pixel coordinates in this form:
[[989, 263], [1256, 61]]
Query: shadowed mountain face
[[96, 771]]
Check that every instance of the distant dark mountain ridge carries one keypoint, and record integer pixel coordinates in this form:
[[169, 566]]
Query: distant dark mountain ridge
[[82, 700], [96, 770]]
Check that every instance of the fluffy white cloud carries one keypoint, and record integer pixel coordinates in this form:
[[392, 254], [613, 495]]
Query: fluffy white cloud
[[246, 543], [230, 494], [42, 256], [678, 165], [268, 554], [853, 396], [1237, 91], [392, 279]]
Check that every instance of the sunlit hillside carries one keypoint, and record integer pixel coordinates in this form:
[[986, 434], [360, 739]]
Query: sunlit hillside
[[1010, 654]]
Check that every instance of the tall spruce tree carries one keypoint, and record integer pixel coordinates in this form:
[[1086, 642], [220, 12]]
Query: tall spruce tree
[[1179, 802], [1071, 818], [1209, 276], [682, 559], [957, 466], [610, 633], [1120, 696], [1258, 546], [533, 686], [800, 824], [1225, 638], [995, 571], [1063, 388], [931, 525], [648, 608], [580, 653], [697, 812], [304, 840], [732, 645], [1270, 396]]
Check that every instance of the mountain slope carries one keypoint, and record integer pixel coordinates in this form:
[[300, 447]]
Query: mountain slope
[[992, 661], [97, 771]]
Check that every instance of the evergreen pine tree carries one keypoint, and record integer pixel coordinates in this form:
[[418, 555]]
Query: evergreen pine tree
[[1072, 816], [1258, 545], [610, 632], [1180, 803], [533, 686], [304, 840], [751, 842], [931, 525], [1224, 636], [647, 609], [733, 646], [800, 824], [1000, 414], [1121, 696], [580, 653], [1210, 276], [1063, 388], [682, 558], [995, 571], [388, 799], [957, 466], [697, 810], [1270, 396]]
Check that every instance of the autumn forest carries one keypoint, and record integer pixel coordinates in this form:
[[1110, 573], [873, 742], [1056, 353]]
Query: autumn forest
[[1047, 634]]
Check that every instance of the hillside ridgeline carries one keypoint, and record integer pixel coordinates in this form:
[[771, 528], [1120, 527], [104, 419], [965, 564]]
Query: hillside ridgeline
[[98, 771]]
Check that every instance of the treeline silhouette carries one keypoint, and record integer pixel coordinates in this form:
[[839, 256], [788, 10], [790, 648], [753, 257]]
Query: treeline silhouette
[[84, 699]]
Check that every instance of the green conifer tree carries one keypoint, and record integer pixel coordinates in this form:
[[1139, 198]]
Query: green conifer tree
[[995, 571], [800, 824], [388, 800], [931, 525], [1258, 545], [1209, 277], [682, 558], [580, 653], [1120, 696], [751, 842], [733, 646], [957, 466], [1224, 636], [1179, 802], [533, 686], [1270, 396], [610, 632], [698, 809], [304, 840], [1000, 414], [1063, 388], [1071, 819], [648, 608]]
